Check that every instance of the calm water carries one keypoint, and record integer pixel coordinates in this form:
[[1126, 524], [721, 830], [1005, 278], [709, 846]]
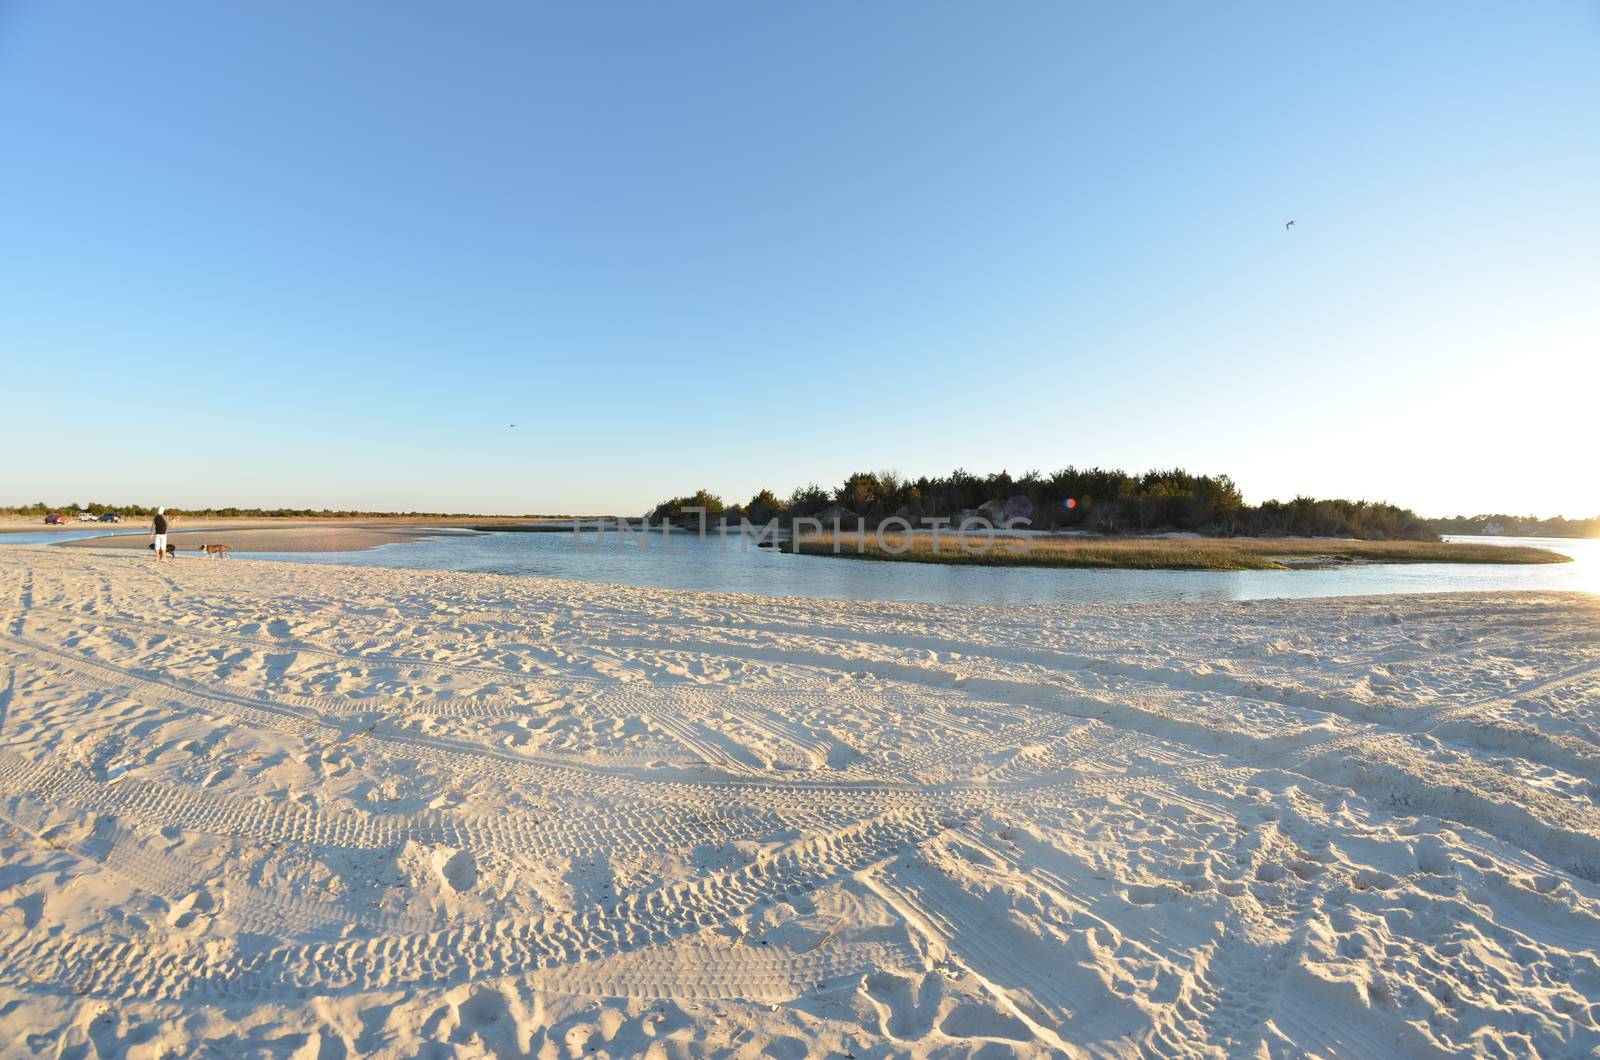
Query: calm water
[[702, 565], [51, 537]]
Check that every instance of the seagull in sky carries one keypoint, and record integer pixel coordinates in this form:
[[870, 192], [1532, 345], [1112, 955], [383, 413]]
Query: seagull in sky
[[1286, 227]]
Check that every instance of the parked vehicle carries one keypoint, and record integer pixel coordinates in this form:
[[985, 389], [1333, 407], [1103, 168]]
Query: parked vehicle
[[111, 517], [55, 519], [86, 517]]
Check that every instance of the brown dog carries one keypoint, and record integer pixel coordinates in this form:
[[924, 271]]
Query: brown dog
[[215, 551]]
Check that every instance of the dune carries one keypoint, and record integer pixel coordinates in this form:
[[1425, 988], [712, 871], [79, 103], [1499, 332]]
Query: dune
[[285, 809]]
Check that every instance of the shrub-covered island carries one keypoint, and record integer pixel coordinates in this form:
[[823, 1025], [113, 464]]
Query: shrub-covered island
[[1096, 517]]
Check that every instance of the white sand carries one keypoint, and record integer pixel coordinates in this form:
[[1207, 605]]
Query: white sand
[[266, 809]]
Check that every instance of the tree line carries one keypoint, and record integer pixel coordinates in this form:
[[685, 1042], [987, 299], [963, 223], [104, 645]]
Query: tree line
[[1101, 500], [96, 508], [1517, 525]]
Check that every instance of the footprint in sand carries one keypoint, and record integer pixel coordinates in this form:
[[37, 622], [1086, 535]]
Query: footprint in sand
[[456, 869], [184, 911]]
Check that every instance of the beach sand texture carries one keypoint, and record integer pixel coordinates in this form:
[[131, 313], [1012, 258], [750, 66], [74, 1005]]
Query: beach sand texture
[[280, 809]]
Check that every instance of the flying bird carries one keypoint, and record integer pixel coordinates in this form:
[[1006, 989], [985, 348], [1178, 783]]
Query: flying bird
[[1286, 227], [513, 425]]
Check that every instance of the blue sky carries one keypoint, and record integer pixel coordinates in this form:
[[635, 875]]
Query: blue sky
[[323, 255]]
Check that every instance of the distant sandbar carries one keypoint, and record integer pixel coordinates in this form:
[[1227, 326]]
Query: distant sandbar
[[269, 539]]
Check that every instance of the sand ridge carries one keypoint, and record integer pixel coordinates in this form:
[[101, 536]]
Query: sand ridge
[[342, 811]]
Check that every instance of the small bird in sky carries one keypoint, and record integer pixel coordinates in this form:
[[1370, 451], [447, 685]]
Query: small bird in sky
[[1286, 227], [513, 425]]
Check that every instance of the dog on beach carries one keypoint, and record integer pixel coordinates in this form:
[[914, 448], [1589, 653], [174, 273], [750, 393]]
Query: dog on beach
[[215, 551], [172, 550]]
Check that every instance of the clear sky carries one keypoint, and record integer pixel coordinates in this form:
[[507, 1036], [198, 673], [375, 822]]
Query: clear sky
[[324, 254]]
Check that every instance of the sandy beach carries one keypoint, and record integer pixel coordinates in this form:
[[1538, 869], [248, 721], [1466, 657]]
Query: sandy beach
[[320, 811], [270, 534], [340, 538]]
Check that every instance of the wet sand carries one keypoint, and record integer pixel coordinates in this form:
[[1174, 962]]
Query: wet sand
[[276, 535], [348, 538]]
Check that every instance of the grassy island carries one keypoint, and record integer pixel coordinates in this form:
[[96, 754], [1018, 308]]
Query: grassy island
[[1163, 553]]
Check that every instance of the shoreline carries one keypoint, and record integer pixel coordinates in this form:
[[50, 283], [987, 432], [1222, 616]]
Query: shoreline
[[351, 538], [287, 534], [1171, 551], [1155, 552]]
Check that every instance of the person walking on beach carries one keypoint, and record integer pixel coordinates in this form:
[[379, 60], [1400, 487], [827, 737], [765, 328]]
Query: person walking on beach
[[158, 533]]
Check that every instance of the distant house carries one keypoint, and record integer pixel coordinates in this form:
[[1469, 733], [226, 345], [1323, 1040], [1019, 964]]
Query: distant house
[[844, 517], [992, 511], [1493, 528]]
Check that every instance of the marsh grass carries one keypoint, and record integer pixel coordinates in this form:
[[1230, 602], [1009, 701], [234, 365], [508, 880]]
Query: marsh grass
[[1167, 553]]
